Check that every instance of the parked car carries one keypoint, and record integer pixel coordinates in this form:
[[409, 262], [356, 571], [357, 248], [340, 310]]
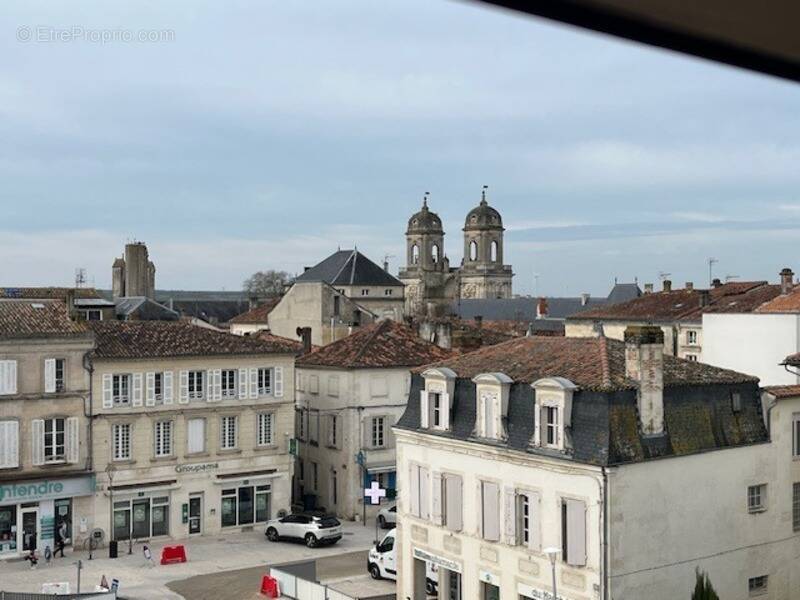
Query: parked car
[[382, 563], [314, 530], [387, 517]]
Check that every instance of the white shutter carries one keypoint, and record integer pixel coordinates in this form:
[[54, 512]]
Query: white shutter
[[183, 397], [8, 377], [37, 442], [167, 387], [108, 398], [49, 375], [510, 515], [491, 511], [414, 489], [150, 395], [137, 390], [436, 496], [253, 383], [278, 383], [242, 384], [196, 435], [424, 494], [445, 410], [9, 444], [214, 385], [576, 533], [535, 520], [73, 440], [454, 508], [424, 409]]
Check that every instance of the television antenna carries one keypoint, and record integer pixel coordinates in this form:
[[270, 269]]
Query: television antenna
[[711, 262], [80, 277]]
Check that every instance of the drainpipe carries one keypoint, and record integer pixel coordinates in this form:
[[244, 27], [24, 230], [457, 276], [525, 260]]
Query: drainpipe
[[604, 565], [87, 364]]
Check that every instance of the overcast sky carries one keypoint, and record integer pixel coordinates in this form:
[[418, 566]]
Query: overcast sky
[[266, 134]]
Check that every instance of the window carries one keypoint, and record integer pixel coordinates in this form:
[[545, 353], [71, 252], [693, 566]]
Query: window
[[121, 389], [314, 476], [333, 433], [228, 430], [494, 250], [313, 427], [796, 435], [59, 375], [490, 511], [246, 505], [158, 388], [436, 408], [757, 498], [196, 385], [122, 441], [435, 253], [757, 585], [524, 517], [195, 435], [452, 502], [365, 292], [550, 436], [150, 518], [8, 377], [488, 407], [378, 432], [163, 438], [54, 440], [736, 401], [388, 292], [266, 427], [573, 532], [336, 306], [473, 250], [229, 383], [9, 447], [93, 314], [420, 491], [414, 254], [313, 384], [691, 337], [691, 357], [796, 506], [264, 382], [301, 425]]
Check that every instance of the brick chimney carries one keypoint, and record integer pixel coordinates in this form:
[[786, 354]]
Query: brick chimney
[[541, 308], [69, 300], [667, 285], [305, 335], [644, 363], [689, 285], [648, 288], [787, 280]]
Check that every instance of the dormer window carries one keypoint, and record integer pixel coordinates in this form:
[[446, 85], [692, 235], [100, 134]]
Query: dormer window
[[491, 391], [550, 425], [437, 399], [553, 398]]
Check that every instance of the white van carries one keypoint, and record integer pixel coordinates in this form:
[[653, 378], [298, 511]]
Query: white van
[[382, 563]]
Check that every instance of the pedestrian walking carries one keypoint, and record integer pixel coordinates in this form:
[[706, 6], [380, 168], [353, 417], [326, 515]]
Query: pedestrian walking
[[61, 538], [148, 556]]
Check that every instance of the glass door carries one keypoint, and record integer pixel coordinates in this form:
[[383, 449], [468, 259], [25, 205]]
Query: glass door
[[195, 514], [30, 533], [64, 515], [141, 519]]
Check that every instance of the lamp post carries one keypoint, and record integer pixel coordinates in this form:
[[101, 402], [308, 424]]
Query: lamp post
[[110, 470], [552, 553]]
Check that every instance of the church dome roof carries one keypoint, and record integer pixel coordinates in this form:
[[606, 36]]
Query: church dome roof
[[425, 221], [483, 216]]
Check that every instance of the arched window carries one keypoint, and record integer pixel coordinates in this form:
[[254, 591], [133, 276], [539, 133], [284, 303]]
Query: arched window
[[414, 254], [473, 250], [494, 250], [435, 253]]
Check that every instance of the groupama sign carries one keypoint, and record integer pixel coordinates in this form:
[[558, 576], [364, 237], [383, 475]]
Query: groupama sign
[[45, 489]]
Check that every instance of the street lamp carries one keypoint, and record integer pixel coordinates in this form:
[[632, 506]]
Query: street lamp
[[552, 553], [110, 470]]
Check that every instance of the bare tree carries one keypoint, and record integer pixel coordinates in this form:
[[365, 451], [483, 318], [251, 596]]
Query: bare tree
[[266, 284]]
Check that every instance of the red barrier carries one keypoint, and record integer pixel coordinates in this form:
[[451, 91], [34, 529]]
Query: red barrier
[[173, 554], [269, 587]]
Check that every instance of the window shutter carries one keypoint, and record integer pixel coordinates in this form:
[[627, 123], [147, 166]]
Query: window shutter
[[510, 515], [424, 494], [445, 410], [242, 384], [215, 385], [576, 533], [183, 398], [168, 387], [37, 442], [209, 385], [73, 439], [535, 519], [278, 383], [49, 375], [108, 399], [436, 495], [414, 487], [454, 503], [491, 511], [253, 383], [424, 409], [137, 390], [9, 444], [196, 435], [8, 377], [542, 426], [150, 395]]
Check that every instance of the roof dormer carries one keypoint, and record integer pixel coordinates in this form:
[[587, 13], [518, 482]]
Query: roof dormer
[[553, 410], [436, 400], [491, 394]]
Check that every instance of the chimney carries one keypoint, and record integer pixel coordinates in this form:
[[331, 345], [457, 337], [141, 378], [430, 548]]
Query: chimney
[[305, 335], [597, 329], [716, 282], [648, 288], [541, 308], [252, 302], [478, 321], [69, 301], [705, 298], [386, 265], [689, 285], [644, 363], [787, 280], [667, 285], [585, 298]]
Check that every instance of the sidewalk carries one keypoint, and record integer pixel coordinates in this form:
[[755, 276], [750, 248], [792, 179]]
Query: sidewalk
[[206, 555]]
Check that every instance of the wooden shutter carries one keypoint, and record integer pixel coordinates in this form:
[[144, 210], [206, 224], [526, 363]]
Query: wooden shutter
[[49, 375], [150, 389], [576, 533], [253, 383], [167, 385], [9, 444], [37, 442], [454, 508], [535, 520], [73, 439], [510, 514], [424, 409], [491, 511], [215, 385], [108, 398], [278, 382], [424, 493], [445, 410], [196, 435], [436, 497], [242, 384], [183, 397], [8, 377], [137, 390], [414, 490]]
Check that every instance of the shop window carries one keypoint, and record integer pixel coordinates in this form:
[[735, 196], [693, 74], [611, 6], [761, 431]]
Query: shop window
[[245, 505], [142, 518], [8, 529]]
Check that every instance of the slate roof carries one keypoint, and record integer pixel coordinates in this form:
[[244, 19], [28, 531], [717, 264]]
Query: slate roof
[[349, 267], [46, 293], [259, 314], [26, 318], [380, 345], [143, 309], [161, 339]]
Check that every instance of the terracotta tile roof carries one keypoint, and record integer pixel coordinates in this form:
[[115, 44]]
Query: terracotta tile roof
[[160, 339], [783, 303], [382, 344], [593, 363], [783, 391], [46, 293], [26, 318], [293, 346], [258, 314], [685, 304]]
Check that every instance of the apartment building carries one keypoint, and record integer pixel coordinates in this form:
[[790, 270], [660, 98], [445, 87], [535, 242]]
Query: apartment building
[[629, 467]]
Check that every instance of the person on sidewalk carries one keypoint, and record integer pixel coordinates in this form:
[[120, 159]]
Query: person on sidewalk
[[31, 558], [61, 539]]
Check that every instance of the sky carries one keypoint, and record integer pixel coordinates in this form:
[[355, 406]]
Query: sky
[[242, 136]]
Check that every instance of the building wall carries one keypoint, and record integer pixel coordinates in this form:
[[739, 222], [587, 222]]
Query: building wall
[[616, 331], [382, 305], [247, 328], [510, 565], [752, 343]]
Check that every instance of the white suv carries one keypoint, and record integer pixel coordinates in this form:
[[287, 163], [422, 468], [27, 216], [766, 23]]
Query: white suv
[[387, 517], [313, 530]]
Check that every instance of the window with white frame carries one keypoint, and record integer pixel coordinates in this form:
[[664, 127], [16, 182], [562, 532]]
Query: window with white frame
[[59, 374], [266, 428], [55, 448], [300, 423], [796, 506], [122, 441], [158, 388], [796, 435], [757, 585], [333, 386], [757, 498], [163, 438], [573, 532], [8, 377], [437, 418], [524, 519], [197, 385], [333, 431], [691, 357], [228, 429], [691, 337], [488, 420], [490, 510], [378, 432], [419, 493], [195, 435], [121, 389], [264, 382], [93, 314], [9, 444], [550, 430], [229, 377]]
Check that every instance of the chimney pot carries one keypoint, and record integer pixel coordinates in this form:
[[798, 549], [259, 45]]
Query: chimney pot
[[644, 363], [667, 285], [689, 285], [585, 298], [716, 282], [787, 280]]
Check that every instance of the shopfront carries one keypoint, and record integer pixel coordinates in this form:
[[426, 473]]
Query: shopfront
[[142, 513], [245, 500], [31, 511]]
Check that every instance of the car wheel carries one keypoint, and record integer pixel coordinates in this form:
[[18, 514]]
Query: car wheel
[[374, 571], [382, 521], [272, 534], [311, 540]]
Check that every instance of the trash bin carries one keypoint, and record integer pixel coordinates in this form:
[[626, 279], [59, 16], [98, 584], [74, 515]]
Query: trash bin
[[112, 549]]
